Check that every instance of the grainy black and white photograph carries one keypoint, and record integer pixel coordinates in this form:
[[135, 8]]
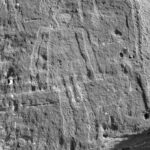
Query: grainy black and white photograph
[[74, 74]]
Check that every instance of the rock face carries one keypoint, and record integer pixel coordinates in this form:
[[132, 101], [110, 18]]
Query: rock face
[[74, 74]]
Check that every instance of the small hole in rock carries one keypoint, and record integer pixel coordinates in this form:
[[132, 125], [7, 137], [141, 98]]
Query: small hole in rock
[[103, 2], [105, 135], [90, 74], [11, 72], [130, 56], [33, 88], [146, 115], [117, 32], [121, 54]]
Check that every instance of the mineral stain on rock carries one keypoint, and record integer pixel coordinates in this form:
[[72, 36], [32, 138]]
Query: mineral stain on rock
[[74, 75]]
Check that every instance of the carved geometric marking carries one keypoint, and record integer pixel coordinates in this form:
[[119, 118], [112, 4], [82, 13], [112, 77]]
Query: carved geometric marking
[[64, 50], [64, 47]]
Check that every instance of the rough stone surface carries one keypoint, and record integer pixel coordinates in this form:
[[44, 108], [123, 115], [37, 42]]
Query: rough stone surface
[[74, 74]]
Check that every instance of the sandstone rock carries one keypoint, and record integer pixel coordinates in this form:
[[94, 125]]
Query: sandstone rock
[[74, 74]]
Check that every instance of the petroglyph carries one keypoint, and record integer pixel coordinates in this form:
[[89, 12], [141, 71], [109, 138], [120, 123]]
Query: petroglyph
[[74, 74]]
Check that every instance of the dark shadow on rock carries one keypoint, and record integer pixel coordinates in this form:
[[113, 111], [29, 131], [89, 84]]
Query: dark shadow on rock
[[139, 141]]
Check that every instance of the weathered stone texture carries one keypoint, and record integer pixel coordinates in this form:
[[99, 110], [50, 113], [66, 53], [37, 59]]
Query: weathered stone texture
[[74, 74]]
